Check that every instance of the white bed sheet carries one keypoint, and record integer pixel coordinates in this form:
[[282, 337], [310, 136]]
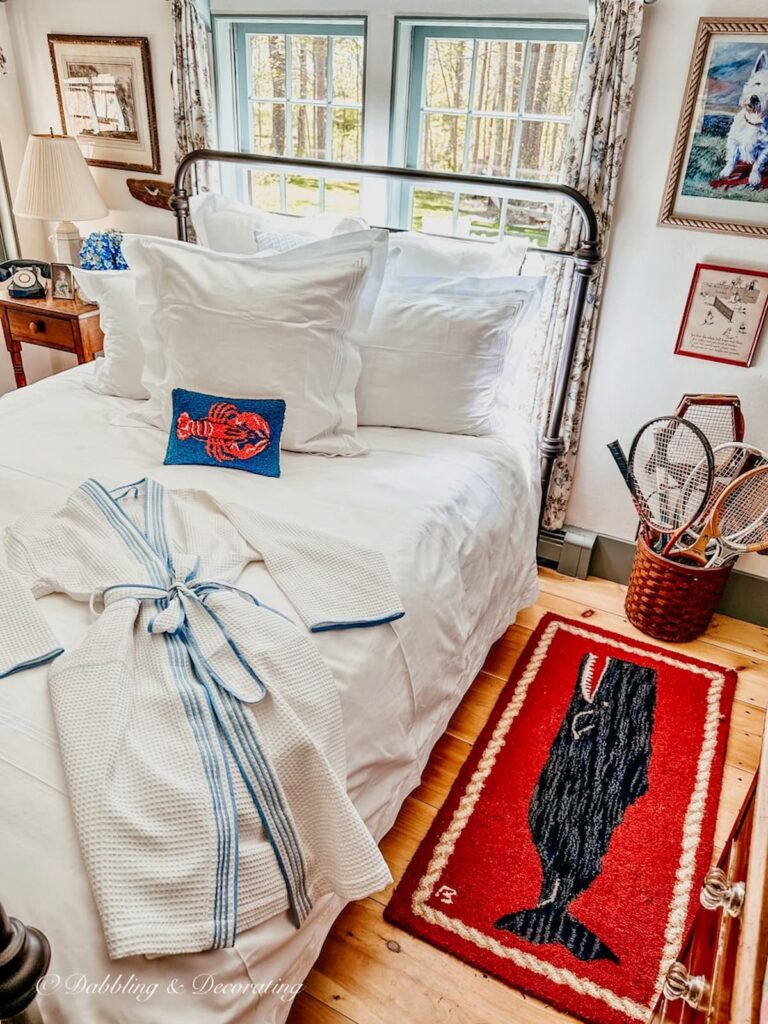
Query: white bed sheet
[[456, 518]]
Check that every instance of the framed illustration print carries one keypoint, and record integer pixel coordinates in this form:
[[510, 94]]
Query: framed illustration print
[[104, 88], [724, 315], [718, 175]]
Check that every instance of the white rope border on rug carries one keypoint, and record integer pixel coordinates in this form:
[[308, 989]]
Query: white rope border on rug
[[691, 832]]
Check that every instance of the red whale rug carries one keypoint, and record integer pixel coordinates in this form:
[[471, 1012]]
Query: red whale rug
[[568, 857]]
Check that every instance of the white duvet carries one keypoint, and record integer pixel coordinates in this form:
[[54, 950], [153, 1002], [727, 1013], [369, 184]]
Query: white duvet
[[456, 518]]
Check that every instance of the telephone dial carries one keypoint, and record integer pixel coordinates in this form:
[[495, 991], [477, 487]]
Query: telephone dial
[[26, 278]]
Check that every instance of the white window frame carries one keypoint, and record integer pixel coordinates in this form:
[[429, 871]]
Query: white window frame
[[387, 50]]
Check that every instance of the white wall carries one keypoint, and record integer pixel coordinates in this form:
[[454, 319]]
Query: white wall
[[32, 20], [635, 374], [13, 134]]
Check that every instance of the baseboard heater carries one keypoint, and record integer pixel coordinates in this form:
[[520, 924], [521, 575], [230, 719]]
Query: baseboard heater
[[568, 550]]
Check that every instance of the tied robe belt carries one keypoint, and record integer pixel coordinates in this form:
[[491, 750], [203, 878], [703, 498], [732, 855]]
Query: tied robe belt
[[183, 612], [229, 680]]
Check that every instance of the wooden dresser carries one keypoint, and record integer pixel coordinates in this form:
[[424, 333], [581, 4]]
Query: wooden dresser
[[719, 977], [62, 324]]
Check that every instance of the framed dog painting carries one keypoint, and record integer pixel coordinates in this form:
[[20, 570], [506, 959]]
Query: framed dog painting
[[718, 177]]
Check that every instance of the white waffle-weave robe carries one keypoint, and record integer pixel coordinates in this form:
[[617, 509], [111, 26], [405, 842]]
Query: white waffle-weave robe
[[201, 733]]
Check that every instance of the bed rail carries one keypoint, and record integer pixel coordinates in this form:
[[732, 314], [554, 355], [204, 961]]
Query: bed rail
[[585, 257]]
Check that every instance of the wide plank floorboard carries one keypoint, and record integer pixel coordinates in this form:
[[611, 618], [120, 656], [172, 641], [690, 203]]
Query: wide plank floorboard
[[370, 972]]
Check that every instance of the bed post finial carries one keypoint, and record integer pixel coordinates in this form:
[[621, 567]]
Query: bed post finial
[[180, 205], [24, 958]]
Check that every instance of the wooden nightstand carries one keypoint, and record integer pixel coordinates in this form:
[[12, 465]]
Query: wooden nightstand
[[68, 326]]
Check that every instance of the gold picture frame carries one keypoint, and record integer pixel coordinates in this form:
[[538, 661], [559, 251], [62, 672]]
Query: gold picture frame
[[725, 54], [106, 99]]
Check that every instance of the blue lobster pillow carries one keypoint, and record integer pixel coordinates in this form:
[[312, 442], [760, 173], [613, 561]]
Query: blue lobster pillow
[[237, 433]]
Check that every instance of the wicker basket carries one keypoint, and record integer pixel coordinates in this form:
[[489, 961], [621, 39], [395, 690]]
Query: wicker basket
[[669, 600]]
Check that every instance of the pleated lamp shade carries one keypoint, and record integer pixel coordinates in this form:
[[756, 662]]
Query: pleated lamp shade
[[55, 183]]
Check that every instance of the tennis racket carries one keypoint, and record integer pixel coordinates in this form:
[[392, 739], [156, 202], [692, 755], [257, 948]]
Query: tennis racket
[[738, 521], [620, 459], [730, 461], [719, 417], [669, 486]]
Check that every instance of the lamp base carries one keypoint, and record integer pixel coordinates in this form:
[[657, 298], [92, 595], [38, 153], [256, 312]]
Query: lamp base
[[66, 242]]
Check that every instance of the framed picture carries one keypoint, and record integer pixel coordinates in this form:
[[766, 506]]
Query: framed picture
[[718, 176], [724, 315], [104, 88], [62, 281]]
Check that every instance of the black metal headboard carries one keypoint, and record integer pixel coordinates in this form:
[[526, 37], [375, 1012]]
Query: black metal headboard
[[585, 257]]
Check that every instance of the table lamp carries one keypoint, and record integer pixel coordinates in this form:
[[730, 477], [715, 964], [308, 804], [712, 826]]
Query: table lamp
[[55, 184]]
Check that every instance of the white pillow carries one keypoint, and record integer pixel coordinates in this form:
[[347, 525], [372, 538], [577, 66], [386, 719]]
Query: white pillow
[[260, 327], [225, 225], [430, 256], [435, 353], [119, 372]]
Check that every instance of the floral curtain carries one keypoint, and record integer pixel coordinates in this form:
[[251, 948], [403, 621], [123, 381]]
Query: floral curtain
[[592, 161], [193, 105]]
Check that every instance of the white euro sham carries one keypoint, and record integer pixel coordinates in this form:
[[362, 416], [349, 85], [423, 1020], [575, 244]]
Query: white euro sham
[[435, 354], [420, 255], [119, 372], [260, 327], [225, 225]]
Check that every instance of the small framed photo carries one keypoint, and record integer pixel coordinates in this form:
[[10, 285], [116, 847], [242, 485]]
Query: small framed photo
[[724, 315], [718, 174], [106, 99], [62, 281]]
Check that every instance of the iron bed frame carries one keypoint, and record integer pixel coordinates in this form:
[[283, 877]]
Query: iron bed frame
[[24, 951], [585, 257]]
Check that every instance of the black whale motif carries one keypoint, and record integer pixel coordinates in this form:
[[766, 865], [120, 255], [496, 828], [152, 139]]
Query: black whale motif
[[597, 768]]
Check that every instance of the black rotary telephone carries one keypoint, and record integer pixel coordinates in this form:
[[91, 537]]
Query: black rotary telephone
[[26, 278]]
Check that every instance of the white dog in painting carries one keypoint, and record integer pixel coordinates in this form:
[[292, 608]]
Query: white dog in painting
[[748, 137]]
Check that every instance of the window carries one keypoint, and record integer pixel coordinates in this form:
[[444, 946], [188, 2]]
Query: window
[[487, 99], [300, 93]]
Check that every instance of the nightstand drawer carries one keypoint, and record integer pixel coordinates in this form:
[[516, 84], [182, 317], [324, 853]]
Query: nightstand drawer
[[47, 329]]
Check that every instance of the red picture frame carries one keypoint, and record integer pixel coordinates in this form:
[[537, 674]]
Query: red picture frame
[[729, 306]]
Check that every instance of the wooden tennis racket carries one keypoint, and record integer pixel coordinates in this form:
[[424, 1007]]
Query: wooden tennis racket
[[738, 521], [731, 460]]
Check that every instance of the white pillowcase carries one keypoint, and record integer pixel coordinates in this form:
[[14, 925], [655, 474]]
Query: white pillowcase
[[430, 256], [435, 353], [260, 327], [119, 372], [225, 225]]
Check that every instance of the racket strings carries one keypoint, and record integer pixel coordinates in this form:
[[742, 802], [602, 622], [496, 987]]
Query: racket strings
[[742, 517], [663, 461], [716, 422], [730, 461]]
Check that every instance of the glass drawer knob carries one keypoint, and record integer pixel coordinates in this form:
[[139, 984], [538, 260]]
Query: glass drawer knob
[[679, 984], [719, 893]]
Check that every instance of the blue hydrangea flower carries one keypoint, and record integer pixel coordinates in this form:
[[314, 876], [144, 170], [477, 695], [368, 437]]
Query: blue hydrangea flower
[[102, 251]]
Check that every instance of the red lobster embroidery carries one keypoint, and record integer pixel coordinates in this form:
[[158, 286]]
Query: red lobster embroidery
[[228, 433]]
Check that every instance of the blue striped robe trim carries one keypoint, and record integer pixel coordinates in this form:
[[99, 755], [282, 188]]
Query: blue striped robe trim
[[225, 817], [226, 886], [260, 781]]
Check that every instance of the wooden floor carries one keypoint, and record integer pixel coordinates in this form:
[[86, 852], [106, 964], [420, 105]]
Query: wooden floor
[[370, 972]]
